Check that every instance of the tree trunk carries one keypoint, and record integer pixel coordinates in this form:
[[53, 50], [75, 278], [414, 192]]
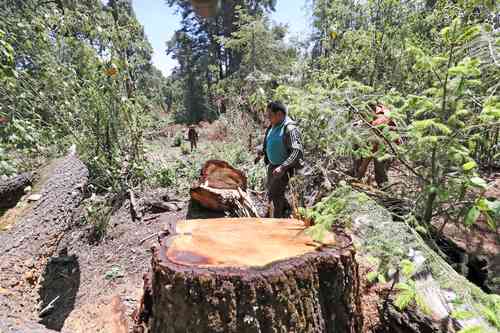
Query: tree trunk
[[26, 248], [15, 326], [252, 275], [12, 189], [411, 321]]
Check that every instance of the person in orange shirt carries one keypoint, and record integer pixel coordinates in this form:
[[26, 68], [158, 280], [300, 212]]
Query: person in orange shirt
[[381, 117]]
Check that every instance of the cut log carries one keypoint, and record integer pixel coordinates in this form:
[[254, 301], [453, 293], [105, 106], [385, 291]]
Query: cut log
[[252, 275], [222, 188], [221, 175], [26, 248], [12, 189]]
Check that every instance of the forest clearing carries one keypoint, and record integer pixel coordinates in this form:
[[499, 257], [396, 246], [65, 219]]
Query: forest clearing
[[343, 180]]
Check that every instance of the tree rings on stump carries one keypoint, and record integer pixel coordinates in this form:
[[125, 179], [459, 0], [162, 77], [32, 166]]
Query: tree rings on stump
[[252, 275]]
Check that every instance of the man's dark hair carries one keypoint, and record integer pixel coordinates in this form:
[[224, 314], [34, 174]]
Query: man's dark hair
[[276, 107], [373, 105]]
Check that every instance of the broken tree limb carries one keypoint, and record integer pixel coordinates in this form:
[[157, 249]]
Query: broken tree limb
[[148, 238], [49, 307], [251, 275], [12, 189], [26, 248], [134, 211]]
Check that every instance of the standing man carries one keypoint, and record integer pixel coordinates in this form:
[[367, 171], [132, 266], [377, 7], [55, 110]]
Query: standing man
[[381, 117], [193, 137], [282, 152]]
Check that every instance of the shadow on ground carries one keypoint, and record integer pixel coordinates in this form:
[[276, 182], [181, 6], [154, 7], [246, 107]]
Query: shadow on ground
[[196, 211], [61, 281]]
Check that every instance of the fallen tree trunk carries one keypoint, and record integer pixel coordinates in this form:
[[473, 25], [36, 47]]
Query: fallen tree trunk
[[12, 189], [441, 289], [26, 248], [251, 275], [222, 188], [17, 326]]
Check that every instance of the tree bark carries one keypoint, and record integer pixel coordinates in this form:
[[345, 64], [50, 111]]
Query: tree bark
[[13, 326], [26, 248], [412, 321], [12, 189], [252, 275]]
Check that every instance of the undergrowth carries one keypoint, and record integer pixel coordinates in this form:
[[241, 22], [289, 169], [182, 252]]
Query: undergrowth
[[331, 210]]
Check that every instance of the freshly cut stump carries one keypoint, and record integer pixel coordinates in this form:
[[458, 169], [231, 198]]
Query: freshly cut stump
[[252, 275]]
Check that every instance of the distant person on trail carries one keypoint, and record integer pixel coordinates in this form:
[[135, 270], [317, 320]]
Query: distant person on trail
[[381, 117], [283, 152], [193, 137]]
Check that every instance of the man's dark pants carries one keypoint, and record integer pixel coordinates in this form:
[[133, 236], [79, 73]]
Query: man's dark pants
[[381, 168], [193, 144], [276, 186]]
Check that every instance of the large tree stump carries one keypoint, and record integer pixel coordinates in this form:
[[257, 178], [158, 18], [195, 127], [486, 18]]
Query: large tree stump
[[252, 275], [222, 188], [26, 248], [12, 189]]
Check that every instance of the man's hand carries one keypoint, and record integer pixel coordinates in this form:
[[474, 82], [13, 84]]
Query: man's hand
[[278, 171]]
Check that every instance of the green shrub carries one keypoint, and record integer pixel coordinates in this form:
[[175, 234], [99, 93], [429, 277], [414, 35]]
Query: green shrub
[[185, 149], [98, 214], [165, 177], [178, 140], [7, 167]]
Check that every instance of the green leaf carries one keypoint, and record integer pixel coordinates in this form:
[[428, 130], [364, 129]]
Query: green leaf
[[421, 230], [469, 34], [407, 268], [405, 297], [372, 276], [494, 206], [422, 305], [473, 329], [478, 182], [482, 204], [472, 216], [490, 221], [462, 315], [469, 165]]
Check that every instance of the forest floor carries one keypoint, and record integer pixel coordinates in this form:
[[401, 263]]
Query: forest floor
[[111, 272], [104, 285]]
